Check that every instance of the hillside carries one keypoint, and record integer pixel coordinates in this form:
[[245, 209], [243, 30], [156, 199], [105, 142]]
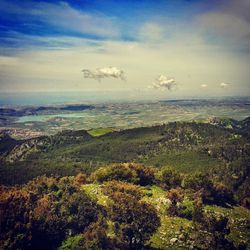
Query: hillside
[[182, 182], [123, 206], [187, 147]]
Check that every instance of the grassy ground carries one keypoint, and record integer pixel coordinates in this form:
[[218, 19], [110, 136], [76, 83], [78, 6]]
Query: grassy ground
[[100, 131], [176, 227], [185, 162], [95, 192], [171, 227]]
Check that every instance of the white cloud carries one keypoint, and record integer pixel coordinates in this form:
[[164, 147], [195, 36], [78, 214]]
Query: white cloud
[[164, 82], [60, 69], [65, 16], [203, 85], [224, 85], [105, 72]]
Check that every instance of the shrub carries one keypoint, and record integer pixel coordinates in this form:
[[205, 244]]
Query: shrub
[[212, 232], [129, 172], [246, 202], [213, 193], [137, 220], [93, 238], [176, 197], [186, 209], [200, 182], [198, 213], [210, 228], [42, 213], [144, 174], [119, 172], [168, 178], [118, 186], [71, 243], [222, 195], [80, 179], [15, 219]]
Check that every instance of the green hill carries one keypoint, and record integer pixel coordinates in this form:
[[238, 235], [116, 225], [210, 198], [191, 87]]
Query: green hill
[[187, 147]]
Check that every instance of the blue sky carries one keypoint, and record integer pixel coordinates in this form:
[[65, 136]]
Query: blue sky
[[200, 44], [122, 18]]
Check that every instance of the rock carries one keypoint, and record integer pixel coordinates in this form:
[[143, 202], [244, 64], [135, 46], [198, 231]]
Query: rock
[[173, 240]]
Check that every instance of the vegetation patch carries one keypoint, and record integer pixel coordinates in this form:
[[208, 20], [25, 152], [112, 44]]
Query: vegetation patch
[[100, 131], [185, 161]]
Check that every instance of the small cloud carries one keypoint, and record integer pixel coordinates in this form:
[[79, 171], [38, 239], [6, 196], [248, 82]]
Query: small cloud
[[203, 85], [163, 82], [105, 72], [224, 85]]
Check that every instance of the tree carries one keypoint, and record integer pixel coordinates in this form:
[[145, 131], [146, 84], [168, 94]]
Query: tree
[[137, 220], [93, 238], [15, 219], [41, 214], [55, 218]]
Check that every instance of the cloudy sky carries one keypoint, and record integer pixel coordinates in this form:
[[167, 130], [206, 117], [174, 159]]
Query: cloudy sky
[[201, 47]]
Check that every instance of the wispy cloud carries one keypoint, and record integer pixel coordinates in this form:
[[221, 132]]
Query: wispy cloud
[[151, 32], [105, 72], [63, 16], [229, 23], [15, 43]]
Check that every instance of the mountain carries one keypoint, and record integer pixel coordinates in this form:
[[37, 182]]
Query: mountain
[[242, 126], [41, 109], [7, 143]]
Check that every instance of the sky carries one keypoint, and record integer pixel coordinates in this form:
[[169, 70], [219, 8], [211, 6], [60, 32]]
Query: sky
[[163, 48]]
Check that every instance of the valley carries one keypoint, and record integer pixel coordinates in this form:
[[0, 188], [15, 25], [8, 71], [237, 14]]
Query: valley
[[27, 122]]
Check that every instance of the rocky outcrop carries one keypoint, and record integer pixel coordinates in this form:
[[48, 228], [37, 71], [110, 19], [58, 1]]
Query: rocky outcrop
[[243, 126], [43, 144]]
